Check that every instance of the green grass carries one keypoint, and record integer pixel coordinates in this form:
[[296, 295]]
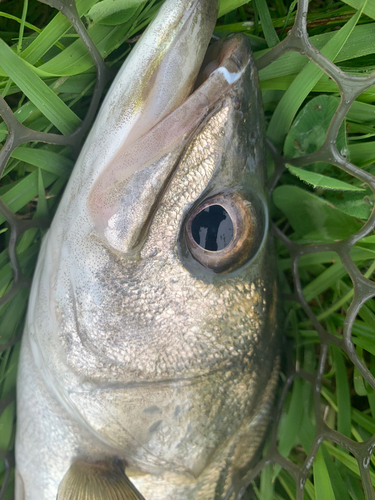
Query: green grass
[[47, 77]]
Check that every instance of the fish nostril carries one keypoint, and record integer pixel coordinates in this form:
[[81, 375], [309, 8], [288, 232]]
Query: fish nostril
[[236, 103], [238, 63]]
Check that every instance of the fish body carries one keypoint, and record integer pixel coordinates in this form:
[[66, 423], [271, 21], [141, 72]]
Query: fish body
[[151, 334]]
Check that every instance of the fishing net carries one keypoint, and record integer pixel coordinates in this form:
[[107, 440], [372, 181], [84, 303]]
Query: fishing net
[[350, 87]]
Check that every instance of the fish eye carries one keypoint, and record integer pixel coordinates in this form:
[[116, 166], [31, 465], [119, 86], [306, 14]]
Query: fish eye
[[224, 231], [212, 228]]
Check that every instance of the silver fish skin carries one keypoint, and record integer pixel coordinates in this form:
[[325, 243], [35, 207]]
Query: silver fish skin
[[140, 345]]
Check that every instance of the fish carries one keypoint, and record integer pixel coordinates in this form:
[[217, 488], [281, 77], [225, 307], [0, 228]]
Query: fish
[[150, 354]]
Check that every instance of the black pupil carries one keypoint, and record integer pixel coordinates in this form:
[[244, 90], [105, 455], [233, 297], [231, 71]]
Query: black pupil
[[212, 228]]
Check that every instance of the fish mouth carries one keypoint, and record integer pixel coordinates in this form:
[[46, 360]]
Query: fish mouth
[[144, 169]]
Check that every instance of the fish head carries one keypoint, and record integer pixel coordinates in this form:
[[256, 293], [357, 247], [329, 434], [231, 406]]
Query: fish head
[[156, 285], [160, 246], [187, 280]]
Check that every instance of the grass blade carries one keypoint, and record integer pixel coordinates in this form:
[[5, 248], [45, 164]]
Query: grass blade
[[229, 5], [369, 8], [37, 91], [52, 33], [322, 482], [267, 26], [343, 394], [322, 181], [303, 84], [24, 191], [46, 160]]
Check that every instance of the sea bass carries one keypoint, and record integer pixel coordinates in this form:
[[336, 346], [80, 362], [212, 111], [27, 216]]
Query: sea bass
[[149, 359]]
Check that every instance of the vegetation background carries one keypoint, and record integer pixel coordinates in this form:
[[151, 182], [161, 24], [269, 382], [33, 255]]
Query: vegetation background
[[47, 78]]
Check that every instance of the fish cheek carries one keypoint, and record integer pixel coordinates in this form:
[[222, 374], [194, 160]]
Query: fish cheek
[[189, 181]]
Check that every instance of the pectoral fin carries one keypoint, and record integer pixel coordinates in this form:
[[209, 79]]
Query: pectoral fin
[[97, 481]]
